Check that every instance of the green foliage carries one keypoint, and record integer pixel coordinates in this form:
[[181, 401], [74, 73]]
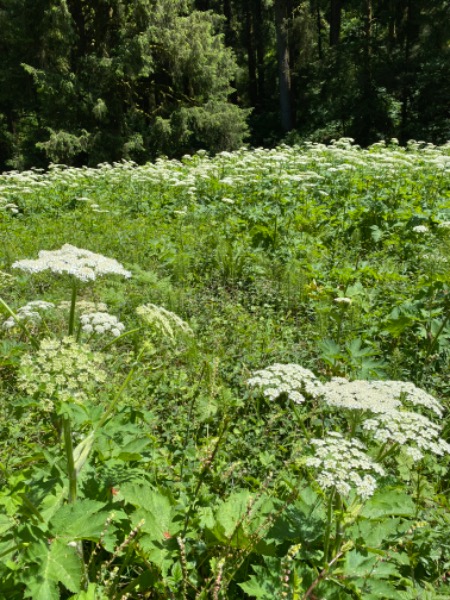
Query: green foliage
[[117, 81], [171, 475]]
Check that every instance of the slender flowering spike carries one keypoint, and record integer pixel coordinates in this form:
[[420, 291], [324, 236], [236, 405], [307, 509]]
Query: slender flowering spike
[[81, 264], [164, 321], [343, 464], [290, 379]]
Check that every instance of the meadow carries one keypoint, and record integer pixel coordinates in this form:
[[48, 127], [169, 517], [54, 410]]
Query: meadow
[[227, 377]]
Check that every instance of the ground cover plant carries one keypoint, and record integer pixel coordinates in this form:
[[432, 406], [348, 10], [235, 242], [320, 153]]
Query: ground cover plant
[[227, 377]]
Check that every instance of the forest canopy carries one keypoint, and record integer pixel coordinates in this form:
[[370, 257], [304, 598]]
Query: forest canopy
[[84, 82]]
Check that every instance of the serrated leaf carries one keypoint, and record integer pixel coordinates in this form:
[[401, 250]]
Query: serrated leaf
[[388, 503], [399, 325], [56, 563], [330, 350], [41, 589], [153, 506], [238, 516], [5, 523], [81, 520]]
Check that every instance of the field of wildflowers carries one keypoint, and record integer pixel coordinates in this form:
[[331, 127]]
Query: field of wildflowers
[[227, 377]]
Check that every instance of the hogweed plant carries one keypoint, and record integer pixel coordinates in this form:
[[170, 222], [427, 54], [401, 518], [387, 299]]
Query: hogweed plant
[[382, 429], [136, 462]]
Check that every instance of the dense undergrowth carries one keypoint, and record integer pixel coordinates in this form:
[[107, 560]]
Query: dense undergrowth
[[150, 447]]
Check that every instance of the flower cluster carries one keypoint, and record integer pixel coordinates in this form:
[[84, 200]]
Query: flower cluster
[[404, 427], [290, 379], [377, 396], [5, 279], [342, 300], [164, 321], [85, 306], [343, 464], [31, 312], [420, 229], [81, 264], [61, 370], [101, 322]]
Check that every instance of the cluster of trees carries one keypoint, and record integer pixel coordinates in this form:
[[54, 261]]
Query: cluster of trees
[[86, 81]]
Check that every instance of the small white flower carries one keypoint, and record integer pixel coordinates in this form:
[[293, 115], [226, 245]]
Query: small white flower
[[342, 300], [420, 229]]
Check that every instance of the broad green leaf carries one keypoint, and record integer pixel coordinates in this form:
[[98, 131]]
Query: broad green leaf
[[389, 503], [6, 523], [81, 520], [41, 589], [374, 534], [56, 562], [154, 507], [239, 516]]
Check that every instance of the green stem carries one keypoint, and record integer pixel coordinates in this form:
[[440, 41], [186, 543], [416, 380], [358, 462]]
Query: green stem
[[72, 307], [120, 337], [300, 420], [202, 475], [326, 545], [71, 471], [9, 310], [116, 399], [339, 529], [436, 337], [385, 451]]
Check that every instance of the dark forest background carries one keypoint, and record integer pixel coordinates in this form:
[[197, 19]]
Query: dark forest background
[[83, 82]]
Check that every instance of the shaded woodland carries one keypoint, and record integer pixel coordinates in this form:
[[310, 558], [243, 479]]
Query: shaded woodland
[[88, 82]]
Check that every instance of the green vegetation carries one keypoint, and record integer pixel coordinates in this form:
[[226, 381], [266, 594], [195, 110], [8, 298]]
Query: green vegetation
[[227, 377]]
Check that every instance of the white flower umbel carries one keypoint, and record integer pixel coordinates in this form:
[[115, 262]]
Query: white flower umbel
[[414, 432], [290, 379], [31, 312], [61, 370], [100, 323], [377, 396], [85, 306], [420, 229], [81, 264], [163, 321], [343, 464]]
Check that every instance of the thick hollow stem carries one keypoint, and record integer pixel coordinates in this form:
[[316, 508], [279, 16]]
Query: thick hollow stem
[[71, 471], [73, 302], [326, 545]]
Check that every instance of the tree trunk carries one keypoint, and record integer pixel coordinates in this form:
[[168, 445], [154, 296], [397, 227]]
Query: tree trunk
[[251, 55], [258, 29], [284, 73], [335, 22]]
